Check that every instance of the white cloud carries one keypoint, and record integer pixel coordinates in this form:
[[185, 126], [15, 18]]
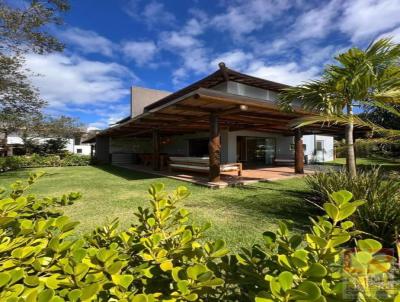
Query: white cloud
[[288, 73], [194, 27], [74, 82], [152, 13], [315, 23], [364, 19], [109, 115], [195, 61], [244, 17], [155, 12], [178, 40], [236, 59], [88, 41], [394, 34], [189, 48], [140, 51], [311, 26], [312, 54]]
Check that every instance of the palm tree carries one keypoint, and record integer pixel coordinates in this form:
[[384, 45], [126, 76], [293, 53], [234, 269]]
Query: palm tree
[[361, 78]]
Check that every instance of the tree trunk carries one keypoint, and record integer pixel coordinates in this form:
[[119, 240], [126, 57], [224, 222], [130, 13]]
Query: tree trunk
[[298, 152], [5, 143], [351, 157], [214, 149]]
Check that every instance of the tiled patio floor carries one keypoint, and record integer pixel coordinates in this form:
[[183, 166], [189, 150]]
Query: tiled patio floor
[[228, 178]]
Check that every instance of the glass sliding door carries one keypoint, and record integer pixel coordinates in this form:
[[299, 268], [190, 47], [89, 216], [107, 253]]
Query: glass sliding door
[[260, 150], [270, 147]]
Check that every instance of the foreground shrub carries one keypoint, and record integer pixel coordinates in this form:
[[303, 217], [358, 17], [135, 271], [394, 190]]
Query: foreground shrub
[[313, 266], [163, 257], [380, 216], [35, 161]]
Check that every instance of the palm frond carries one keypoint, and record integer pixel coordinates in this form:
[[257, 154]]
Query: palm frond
[[314, 96], [391, 96], [381, 104], [329, 120], [369, 77]]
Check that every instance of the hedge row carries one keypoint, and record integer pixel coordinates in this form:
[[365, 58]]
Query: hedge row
[[35, 161], [365, 148], [163, 257]]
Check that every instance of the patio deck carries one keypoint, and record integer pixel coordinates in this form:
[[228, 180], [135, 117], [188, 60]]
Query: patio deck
[[228, 179]]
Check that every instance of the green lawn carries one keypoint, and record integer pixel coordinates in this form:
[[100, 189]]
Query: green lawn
[[239, 215], [387, 164]]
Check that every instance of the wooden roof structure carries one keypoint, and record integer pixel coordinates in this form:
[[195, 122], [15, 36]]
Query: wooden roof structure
[[188, 110]]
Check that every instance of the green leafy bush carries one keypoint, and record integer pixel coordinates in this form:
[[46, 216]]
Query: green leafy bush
[[313, 266], [75, 160], [381, 215], [371, 148], [35, 161], [163, 257]]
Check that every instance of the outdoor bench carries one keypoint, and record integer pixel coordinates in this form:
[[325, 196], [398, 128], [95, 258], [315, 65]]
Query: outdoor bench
[[200, 164], [284, 161], [287, 161]]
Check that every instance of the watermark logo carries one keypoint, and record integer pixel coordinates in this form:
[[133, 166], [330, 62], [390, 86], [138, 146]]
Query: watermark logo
[[371, 272]]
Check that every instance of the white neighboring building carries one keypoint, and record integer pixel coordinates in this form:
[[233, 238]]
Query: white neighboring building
[[73, 145], [319, 148]]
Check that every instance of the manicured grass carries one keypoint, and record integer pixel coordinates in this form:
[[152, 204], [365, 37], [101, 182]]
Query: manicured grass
[[386, 164], [239, 215]]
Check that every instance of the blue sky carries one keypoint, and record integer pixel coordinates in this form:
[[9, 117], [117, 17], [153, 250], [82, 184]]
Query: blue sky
[[113, 45]]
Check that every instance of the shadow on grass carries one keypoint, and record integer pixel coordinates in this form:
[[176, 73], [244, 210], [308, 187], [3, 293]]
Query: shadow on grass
[[127, 174], [275, 202]]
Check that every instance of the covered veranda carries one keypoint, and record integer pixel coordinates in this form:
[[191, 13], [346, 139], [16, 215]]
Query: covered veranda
[[227, 179], [201, 108], [205, 110]]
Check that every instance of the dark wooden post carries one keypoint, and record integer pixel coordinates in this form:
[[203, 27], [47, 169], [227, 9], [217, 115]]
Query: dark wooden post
[[214, 149], [156, 150], [298, 152]]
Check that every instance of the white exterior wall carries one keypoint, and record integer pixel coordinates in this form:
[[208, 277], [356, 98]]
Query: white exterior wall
[[71, 147], [327, 152], [14, 140], [85, 149]]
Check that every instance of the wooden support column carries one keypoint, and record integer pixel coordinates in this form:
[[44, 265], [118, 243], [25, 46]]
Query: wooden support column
[[298, 152], [156, 150], [214, 149]]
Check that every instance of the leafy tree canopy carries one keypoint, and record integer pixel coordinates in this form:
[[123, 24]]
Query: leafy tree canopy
[[51, 127], [24, 28], [383, 117], [367, 78]]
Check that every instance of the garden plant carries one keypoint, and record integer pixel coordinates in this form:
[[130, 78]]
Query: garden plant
[[380, 217], [10, 163], [163, 257]]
